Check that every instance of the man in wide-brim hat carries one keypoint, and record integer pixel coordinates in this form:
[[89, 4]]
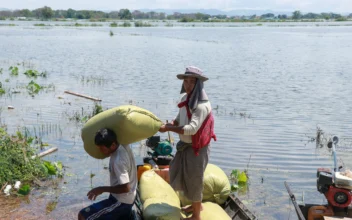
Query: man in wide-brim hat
[[195, 126]]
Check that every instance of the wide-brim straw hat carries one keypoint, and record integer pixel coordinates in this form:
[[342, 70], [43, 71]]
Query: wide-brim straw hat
[[193, 71]]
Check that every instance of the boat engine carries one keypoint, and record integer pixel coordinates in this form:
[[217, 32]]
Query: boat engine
[[160, 148], [335, 186], [338, 196]]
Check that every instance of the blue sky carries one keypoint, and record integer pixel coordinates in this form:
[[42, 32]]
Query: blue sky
[[278, 5]]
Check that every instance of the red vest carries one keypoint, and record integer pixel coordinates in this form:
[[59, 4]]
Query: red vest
[[204, 134]]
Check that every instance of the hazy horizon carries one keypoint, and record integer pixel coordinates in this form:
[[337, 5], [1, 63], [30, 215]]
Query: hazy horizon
[[338, 6]]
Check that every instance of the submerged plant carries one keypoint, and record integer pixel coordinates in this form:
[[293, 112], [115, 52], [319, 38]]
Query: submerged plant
[[91, 179], [34, 73], [84, 116], [33, 87], [51, 206], [2, 90], [126, 24], [14, 70], [238, 179], [113, 24], [142, 24]]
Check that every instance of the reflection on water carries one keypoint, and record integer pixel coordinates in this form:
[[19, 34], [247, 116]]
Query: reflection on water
[[271, 88]]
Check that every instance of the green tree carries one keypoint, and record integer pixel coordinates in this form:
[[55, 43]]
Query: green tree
[[70, 13], [25, 13], [282, 16], [125, 14], [45, 12], [114, 14], [326, 16], [296, 15]]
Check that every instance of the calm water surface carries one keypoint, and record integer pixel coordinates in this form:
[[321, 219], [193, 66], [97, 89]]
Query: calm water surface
[[270, 87]]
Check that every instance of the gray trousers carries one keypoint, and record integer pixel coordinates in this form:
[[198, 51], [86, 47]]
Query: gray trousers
[[187, 171]]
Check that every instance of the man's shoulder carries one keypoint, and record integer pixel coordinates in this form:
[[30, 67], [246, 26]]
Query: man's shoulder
[[125, 148], [204, 105]]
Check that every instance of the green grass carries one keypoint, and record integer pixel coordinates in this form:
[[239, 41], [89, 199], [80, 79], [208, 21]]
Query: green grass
[[15, 159], [142, 24], [113, 24], [41, 25], [126, 24]]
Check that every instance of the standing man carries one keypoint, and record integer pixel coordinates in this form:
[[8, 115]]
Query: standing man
[[195, 126]]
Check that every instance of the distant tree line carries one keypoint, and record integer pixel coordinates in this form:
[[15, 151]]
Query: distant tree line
[[125, 14]]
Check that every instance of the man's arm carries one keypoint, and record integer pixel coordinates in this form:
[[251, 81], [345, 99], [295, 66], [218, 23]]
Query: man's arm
[[124, 188], [169, 127]]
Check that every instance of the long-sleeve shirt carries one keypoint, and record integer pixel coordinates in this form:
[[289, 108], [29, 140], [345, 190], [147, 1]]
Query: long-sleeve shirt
[[198, 116]]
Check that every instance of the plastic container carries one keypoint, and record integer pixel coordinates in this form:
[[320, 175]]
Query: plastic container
[[141, 169], [318, 212]]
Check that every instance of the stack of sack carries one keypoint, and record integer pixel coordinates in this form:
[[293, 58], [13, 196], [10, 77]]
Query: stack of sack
[[158, 198], [160, 201]]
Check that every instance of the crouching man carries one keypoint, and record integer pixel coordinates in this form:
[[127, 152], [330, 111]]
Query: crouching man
[[123, 181]]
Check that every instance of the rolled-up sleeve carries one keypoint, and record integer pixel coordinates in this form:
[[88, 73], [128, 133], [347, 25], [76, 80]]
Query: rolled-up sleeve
[[198, 117]]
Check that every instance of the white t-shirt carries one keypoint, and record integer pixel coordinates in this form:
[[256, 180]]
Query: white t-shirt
[[123, 170]]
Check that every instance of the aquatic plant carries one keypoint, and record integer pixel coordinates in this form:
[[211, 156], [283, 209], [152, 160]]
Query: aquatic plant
[[17, 159], [84, 116], [238, 179], [14, 70], [34, 73], [2, 91], [142, 24], [91, 179], [10, 25], [50, 206], [113, 24], [126, 24], [169, 24], [33, 87]]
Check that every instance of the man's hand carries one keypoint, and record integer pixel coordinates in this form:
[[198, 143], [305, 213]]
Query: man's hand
[[163, 128], [92, 195]]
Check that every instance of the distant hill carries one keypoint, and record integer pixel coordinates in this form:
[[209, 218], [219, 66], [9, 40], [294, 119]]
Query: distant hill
[[238, 12], [4, 9]]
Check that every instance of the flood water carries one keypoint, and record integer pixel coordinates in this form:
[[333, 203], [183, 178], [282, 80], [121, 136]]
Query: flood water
[[271, 89]]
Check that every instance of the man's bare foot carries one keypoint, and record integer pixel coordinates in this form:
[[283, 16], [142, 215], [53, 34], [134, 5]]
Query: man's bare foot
[[188, 209], [192, 218]]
